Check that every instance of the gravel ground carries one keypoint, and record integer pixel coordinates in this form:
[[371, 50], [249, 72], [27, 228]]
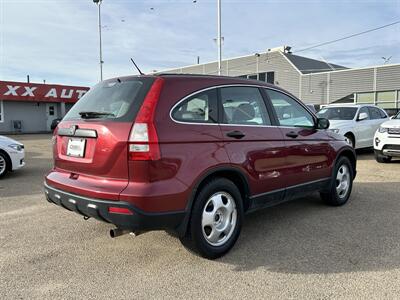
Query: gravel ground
[[302, 249]]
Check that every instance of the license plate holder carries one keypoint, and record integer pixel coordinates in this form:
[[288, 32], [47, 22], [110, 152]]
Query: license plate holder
[[76, 147]]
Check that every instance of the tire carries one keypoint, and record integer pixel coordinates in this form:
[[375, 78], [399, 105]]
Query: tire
[[342, 183], [216, 219], [4, 164], [350, 139], [380, 158]]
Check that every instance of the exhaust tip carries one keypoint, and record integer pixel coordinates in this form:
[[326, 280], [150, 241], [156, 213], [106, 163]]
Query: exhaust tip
[[116, 232]]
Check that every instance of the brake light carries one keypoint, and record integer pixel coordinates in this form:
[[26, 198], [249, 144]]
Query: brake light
[[143, 139], [120, 210]]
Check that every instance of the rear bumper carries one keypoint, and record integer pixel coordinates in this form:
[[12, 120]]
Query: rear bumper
[[99, 209]]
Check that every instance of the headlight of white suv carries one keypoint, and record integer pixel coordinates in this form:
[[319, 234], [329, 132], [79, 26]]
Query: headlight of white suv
[[334, 130], [382, 129], [16, 147]]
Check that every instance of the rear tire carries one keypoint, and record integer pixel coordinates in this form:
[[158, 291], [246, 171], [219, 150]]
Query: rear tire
[[216, 219], [380, 158], [342, 183], [5, 164]]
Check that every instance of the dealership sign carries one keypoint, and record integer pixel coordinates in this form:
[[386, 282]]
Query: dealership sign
[[21, 91]]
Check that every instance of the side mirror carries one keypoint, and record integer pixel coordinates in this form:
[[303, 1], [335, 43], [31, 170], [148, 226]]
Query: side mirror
[[323, 123], [392, 117], [362, 116]]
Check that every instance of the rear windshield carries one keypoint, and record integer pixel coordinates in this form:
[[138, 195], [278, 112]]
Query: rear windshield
[[338, 113], [113, 99]]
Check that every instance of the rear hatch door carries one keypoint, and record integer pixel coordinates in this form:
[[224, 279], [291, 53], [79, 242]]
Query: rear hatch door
[[90, 149]]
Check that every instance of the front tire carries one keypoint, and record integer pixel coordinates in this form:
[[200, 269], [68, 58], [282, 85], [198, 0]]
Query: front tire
[[4, 164], [216, 219], [380, 158], [342, 183]]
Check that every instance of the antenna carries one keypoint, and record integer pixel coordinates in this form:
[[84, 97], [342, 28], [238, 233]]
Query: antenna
[[140, 72]]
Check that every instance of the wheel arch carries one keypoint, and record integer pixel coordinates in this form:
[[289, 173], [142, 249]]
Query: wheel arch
[[351, 155], [352, 135], [8, 158]]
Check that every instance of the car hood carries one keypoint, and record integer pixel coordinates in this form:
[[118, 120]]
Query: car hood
[[340, 123], [7, 141], [391, 123]]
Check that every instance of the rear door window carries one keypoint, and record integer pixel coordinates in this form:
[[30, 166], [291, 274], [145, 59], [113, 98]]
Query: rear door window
[[200, 108], [112, 100], [243, 106]]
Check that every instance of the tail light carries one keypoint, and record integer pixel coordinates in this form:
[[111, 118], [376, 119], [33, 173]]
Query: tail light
[[143, 139]]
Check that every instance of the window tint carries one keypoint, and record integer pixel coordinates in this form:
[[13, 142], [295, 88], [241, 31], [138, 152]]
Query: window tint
[[364, 110], [200, 108], [374, 113], [383, 114], [289, 111], [244, 106], [113, 98], [338, 113]]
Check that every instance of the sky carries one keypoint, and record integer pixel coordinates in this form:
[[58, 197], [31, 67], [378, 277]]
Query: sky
[[57, 40]]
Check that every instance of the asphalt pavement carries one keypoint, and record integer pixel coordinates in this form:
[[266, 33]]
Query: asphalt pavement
[[302, 249]]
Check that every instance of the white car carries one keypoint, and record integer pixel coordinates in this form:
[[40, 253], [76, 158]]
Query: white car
[[12, 155], [358, 123], [387, 140]]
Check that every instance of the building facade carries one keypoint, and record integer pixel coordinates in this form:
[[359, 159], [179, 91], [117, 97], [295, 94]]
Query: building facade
[[313, 81], [32, 107]]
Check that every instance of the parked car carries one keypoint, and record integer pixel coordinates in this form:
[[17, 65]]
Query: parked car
[[12, 155], [192, 154], [357, 123], [54, 123], [387, 140], [312, 108]]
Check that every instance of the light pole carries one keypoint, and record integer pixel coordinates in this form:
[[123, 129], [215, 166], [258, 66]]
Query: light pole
[[219, 36], [98, 2]]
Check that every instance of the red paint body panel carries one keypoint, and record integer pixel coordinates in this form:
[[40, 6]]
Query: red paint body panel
[[268, 159]]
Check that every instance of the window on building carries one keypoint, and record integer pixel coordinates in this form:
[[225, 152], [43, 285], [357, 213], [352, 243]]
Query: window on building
[[271, 77], [1, 112], [262, 76], [254, 76], [244, 106], [386, 99], [365, 98], [200, 108]]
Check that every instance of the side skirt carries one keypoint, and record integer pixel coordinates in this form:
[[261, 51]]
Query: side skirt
[[290, 193]]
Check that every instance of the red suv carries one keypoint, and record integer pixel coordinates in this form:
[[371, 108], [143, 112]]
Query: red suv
[[192, 154]]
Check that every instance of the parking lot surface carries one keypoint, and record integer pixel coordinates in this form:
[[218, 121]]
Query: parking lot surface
[[302, 249]]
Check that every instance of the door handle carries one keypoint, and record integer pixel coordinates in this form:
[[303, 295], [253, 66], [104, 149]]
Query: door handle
[[236, 134], [292, 134]]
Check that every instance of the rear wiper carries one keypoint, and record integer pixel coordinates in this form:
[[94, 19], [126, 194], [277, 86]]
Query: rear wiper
[[94, 114]]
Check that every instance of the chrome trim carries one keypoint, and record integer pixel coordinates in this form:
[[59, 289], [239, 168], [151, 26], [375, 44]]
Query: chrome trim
[[72, 201], [90, 205], [237, 85]]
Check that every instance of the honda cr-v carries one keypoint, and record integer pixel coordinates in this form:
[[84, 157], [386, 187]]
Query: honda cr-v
[[192, 155]]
